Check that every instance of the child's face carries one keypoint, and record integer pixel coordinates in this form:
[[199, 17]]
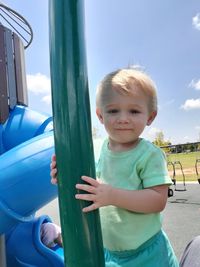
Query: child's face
[[125, 116]]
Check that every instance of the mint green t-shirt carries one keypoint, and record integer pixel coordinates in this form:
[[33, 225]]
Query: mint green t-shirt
[[141, 167]]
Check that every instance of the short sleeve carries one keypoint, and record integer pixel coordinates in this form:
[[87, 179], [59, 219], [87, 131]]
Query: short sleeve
[[154, 169]]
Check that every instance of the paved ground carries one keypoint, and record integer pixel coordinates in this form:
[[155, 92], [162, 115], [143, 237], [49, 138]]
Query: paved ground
[[181, 216]]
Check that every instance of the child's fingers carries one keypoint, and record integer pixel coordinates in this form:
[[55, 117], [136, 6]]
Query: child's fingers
[[87, 197], [53, 165], [54, 180], [90, 180], [90, 208], [53, 173], [53, 158], [86, 187]]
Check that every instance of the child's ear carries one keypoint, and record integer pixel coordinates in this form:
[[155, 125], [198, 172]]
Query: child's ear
[[151, 117], [99, 114]]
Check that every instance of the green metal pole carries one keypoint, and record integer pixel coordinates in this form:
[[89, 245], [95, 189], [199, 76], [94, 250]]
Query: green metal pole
[[72, 132]]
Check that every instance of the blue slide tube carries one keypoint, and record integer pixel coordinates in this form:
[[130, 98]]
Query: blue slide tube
[[24, 247], [24, 167], [26, 147], [25, 182]]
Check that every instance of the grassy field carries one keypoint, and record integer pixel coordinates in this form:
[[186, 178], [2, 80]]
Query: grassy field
[[187, 161]]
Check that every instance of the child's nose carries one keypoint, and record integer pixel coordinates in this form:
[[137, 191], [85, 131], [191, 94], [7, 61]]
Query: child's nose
[[123, 118]]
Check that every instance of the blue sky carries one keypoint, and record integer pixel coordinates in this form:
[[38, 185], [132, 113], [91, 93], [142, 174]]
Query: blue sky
[[161, 36]]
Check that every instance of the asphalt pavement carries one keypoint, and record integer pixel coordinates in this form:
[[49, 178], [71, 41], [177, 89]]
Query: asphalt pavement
[[181, 218]]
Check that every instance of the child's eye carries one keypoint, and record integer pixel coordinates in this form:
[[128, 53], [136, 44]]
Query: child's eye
[[134, 111], [112, 111]]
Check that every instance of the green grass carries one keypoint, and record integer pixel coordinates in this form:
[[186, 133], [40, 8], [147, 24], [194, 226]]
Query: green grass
[[187, 161]]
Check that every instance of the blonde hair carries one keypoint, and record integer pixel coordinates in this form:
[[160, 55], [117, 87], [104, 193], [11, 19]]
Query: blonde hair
[[123, 81]]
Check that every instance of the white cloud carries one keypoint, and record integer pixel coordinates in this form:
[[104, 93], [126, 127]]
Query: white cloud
[[47, 99], [195, 84], [196, 21], [40, 84], [191, 104]]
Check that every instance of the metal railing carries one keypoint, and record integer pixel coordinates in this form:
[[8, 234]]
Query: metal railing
[[17, 23]]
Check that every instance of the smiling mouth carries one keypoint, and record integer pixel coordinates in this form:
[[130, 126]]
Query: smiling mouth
[[124, 129]]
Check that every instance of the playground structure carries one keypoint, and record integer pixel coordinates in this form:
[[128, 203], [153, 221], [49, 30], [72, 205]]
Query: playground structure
[[27, 144], [175, 165], [24, 182], [197, 163]]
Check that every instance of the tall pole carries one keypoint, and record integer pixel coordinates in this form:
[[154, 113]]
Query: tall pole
[[72, 132]]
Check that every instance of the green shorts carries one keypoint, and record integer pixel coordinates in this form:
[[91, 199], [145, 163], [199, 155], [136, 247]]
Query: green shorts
[[156, 252]]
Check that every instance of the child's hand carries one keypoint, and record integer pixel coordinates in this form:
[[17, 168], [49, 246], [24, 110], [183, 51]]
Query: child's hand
[[99, 193], [53, 168]]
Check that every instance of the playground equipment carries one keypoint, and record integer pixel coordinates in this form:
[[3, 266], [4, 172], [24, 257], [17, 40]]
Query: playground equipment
[[178, 166], [25, 249], [25, 183], [170, 190], [72, 132], [175, 166], [197, 163], [12, 67], [17, 23], [26, 146], [27, 143]]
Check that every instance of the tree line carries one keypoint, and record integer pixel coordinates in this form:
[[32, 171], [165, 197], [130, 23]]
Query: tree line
[[167, 146]]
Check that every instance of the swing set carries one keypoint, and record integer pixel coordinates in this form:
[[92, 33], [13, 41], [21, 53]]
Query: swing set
[[197, 166], [177, 169]]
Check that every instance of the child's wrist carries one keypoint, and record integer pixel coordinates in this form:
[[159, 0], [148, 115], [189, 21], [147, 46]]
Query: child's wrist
[[111, 195]]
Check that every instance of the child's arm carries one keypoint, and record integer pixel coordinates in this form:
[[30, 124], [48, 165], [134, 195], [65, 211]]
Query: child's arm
[[147, 200], [144, 201]]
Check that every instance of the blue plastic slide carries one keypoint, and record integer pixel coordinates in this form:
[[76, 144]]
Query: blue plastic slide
[[24, 247], [26, 146]]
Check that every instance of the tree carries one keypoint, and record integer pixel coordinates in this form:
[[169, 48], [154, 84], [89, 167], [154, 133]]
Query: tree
[[160, 141]]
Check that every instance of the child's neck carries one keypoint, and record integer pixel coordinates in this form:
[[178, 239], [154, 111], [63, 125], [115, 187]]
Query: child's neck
[[120, 147]]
